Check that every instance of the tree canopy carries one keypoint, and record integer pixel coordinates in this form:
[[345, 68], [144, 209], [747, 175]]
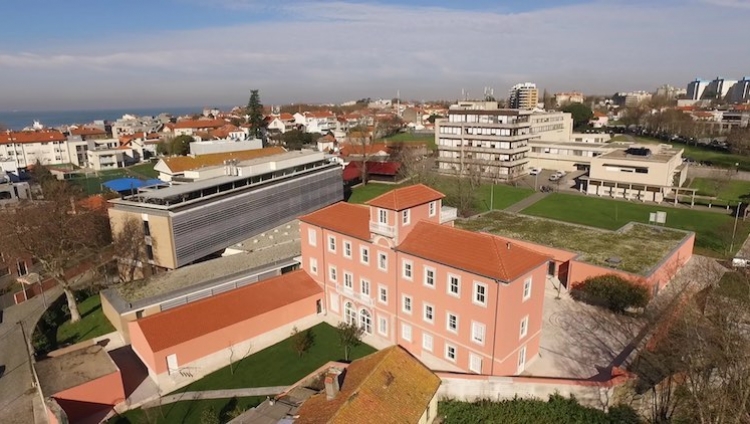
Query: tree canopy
[[178, 146], [580, 112], [255, 113]]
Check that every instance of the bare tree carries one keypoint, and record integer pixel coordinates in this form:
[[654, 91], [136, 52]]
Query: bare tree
[[60, 233], [462, 191], [739, 140], [232, 361], [130, 248], [350, 336], [361, 140]]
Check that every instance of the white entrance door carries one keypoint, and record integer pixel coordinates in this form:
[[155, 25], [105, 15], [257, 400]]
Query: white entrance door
[[172, 366], [521, 360]]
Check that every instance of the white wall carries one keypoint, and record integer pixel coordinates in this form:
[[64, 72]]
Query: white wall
[[224, 146]]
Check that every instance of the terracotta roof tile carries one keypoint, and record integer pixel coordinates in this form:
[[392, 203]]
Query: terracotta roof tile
[[188, 322], [184, 163], [200, 123], [406, 197], [87, 131], [31, 137], [389, 386], [479, 253], [344, 218]]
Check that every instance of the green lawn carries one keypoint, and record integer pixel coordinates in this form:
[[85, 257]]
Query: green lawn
[[408, 137], [364, 193], [188, 412], [713, 230], [92, 184], [144, 170], [279, 365], [93, 323], [732, 191], [699, 153]]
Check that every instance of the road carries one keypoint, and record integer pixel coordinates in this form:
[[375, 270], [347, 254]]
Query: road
[[19, 401]]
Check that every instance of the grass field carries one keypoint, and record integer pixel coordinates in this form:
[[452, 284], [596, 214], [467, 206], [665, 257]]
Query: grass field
[[408, 137], [732, 191], [93, 323], [713, 230], [93, 183], [504, 195], [144, 170], [188, 412], [699, 153]]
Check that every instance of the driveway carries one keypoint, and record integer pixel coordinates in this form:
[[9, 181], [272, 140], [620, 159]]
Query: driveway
[[19, 401]]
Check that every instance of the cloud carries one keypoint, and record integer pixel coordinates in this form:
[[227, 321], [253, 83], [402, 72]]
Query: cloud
[[741, 4], [333, 51]]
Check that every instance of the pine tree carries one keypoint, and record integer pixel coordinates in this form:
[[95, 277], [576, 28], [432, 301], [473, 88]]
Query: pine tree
[[255, 114]]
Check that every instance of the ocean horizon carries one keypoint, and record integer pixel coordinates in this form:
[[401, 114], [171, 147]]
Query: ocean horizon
[[18, 120]]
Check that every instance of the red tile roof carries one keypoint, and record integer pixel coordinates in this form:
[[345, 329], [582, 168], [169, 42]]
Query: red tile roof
[[31, 137], [353, 170], [344, 218], [478, 253], [87, 131], [200, 123], [355, 149], [389, 386], [406, 197], [189, 322]]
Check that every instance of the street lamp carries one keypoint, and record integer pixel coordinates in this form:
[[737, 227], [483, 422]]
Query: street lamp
[[734, 232]]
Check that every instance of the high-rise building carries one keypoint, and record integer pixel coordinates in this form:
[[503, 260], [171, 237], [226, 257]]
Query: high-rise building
[[523, 96], [718, 88], [696, 88], [740, 93]]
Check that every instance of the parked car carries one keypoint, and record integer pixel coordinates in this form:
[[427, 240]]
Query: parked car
[[554, 177], [535, 171]]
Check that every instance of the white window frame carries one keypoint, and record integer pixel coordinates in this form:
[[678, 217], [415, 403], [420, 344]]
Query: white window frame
[[333, 273], [382, 290], [365, 283], [332, 244], [426, 305], [428, 346], [347, 248], [312, 237], [432, 208], [523, 327], [448, 348], [383, 326], [475, 295], [474, 361], [313, 266], [478, 327], [384, 256], [449, 285], [448, 328], [407, 264], [527, 289], [521, 361], [428, 269], [405, 217], [349, 280], [404, 299], [406, 331], [383, 216], [364, 255]]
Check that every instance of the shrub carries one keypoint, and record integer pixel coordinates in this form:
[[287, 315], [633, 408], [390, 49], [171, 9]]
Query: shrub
[[612, 292]]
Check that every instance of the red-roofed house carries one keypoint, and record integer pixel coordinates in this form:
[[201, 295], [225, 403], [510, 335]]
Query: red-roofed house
[[89, 133], [28, 147], [180, 344], [191, 126], [457, 300], [599, 120]]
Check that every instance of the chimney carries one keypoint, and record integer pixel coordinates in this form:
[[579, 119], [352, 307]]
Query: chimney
[[507, 245], [332, 384]]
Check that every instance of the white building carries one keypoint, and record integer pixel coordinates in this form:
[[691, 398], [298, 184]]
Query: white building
[[108, 158], [205, 147], [27, 148], [317, 122], [569, 97], [523, 96], [131, 124]]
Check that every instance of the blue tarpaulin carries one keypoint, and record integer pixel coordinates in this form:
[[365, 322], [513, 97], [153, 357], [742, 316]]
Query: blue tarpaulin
[[128, 184]]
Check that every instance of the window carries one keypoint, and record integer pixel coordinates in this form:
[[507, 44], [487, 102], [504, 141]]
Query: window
[[429, 277], [332, 273], [332, 244], [383, 294], [364, 286], [382, 216], [521, 360], [429, 313], [314, 266], [480, 294], [383, 326], [334, 302], [477, 332], [318, 306], [365, 321], [349, 314], [452, 323], [450, 353], [348, 249], [454, 285], [406, 304], [527, 289], [524, 326], [312, 237], [146, 228], [405, 217], [364, 255], [427, 342], [149, 252], [433, 207], [475, 363], [382, 261], [406, 332], [407, 269]]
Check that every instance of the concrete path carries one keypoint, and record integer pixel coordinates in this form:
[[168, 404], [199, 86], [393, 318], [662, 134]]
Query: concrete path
[[217, 394], [525, 203]]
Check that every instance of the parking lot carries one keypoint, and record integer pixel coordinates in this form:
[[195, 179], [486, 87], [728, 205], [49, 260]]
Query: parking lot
[[564, 183]]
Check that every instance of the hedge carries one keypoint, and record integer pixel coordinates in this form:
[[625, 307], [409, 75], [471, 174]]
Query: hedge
[[612, 292]]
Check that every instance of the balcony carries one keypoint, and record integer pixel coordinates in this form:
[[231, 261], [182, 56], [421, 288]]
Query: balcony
[[448, 214], [382, 229], [359, 297]]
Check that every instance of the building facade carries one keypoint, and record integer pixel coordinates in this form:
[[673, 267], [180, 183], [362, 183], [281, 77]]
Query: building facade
[[455, 299], [480, 137], [523, 96]]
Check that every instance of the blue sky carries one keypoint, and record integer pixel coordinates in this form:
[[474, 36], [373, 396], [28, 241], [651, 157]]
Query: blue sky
[[77, 54]]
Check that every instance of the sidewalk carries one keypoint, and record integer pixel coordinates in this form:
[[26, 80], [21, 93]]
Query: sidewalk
[[525, 203], [216, 394]]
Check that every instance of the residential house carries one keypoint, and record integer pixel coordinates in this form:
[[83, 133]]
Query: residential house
[[89, 133], [144, 145], [600, 120], [281, 123], [317, 122], [27, 148], [193, 126], [131, 124], [455, 299]]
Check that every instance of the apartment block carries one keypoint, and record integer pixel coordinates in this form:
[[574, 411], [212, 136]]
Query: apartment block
[[457, 300], [481, 137], [186, 222], [569, 97], [27, 148], [523, 96]]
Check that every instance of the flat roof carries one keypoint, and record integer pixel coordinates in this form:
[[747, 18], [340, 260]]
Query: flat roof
[[73, 369], [640, 247], [658, 154]]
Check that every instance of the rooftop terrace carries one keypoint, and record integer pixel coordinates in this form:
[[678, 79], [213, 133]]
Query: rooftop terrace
[[639, 247]]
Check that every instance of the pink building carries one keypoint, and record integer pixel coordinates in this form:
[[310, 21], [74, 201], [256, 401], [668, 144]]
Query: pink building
[[457, 300]]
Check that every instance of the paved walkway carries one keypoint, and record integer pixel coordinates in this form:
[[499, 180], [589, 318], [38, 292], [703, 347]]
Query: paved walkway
[[525, 203], [217, 394]]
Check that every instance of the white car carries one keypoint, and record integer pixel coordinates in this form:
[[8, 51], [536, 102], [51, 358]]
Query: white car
[[535, 171]]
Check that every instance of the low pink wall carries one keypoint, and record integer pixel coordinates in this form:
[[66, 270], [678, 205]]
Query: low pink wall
[[89, 398]]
